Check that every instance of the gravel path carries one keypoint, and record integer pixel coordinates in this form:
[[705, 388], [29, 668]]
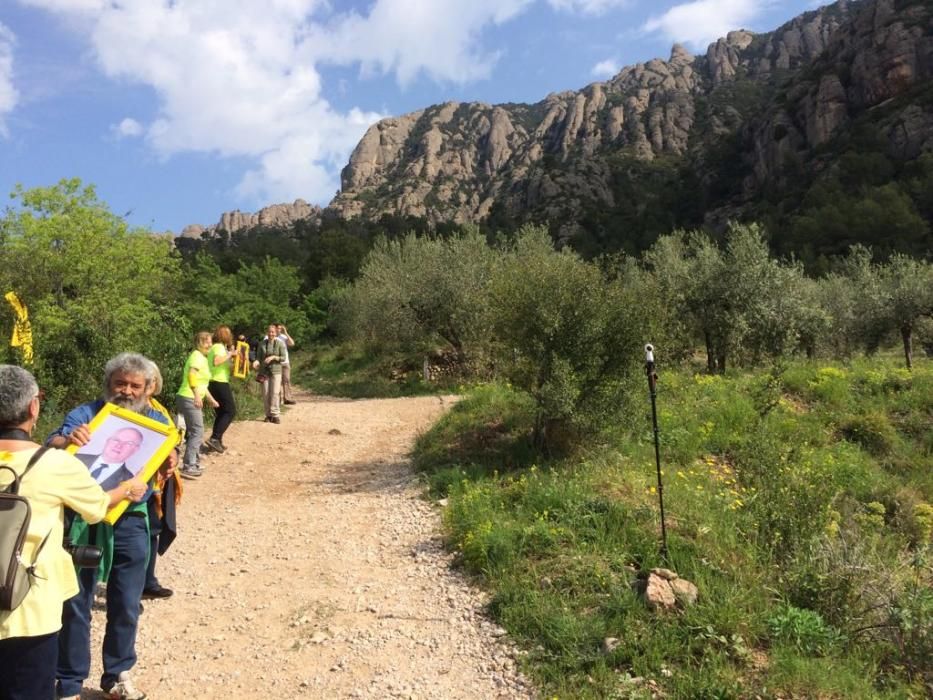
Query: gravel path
[[309, 565]]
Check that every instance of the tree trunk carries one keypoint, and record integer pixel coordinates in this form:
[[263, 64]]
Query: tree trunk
[[710, 360], [906, 337], [538, 436], [722, 363]]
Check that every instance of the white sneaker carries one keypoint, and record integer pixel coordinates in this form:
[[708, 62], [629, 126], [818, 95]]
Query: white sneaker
[[124, 689]]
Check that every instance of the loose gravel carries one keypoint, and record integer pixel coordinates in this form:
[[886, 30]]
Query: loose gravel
[[309, 565]]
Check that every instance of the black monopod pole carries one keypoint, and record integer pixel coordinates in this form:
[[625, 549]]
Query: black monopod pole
[[652, 389]]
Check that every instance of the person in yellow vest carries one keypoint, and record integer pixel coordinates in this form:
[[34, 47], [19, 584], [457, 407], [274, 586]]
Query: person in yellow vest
[[189, 402], [56, 480]]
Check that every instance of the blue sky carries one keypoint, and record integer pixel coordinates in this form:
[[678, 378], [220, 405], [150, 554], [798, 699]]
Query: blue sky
[[178, 110]]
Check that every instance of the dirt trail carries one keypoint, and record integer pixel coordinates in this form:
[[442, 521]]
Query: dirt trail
[[308, 565]]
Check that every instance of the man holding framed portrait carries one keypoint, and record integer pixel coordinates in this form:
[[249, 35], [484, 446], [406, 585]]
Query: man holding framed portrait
[[120, 430]]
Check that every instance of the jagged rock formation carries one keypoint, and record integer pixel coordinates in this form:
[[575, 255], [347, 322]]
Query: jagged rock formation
[[783, 94], [273, 216], [881, 54]]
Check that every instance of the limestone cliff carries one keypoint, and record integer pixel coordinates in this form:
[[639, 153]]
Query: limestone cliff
[[885, 52], [273, 216], [782, 94]]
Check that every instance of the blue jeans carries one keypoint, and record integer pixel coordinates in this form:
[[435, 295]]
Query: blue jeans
[[27, 667], [194, 429], [124, 591]]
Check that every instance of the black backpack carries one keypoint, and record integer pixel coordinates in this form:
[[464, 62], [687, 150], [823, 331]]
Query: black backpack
[[15, 514]]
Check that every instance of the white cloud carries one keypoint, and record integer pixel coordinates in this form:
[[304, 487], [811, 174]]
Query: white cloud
[[241, 78], [605, 69], [8, 93], [128, 128], [411, 37], [588, 7], [90, 6], [701, 22]]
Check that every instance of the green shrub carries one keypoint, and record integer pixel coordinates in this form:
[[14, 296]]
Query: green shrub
[[872, 431], [911, 641], [792, 487], [802, 629]]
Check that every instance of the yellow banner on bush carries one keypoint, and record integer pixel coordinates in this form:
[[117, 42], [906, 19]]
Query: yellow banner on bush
[[22, 331]]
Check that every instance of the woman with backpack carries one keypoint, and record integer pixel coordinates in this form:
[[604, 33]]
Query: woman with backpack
[[49, 480]]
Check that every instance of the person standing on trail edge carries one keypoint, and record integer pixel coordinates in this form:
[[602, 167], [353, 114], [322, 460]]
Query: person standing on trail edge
[[127, 379], [286, 365], [269, 355]]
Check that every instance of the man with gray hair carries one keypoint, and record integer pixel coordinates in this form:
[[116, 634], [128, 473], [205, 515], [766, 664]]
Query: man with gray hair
[[128, 378]]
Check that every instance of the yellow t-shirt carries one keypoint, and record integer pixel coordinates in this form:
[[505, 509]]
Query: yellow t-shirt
[[197, 363], [221, 372], [57, 480]]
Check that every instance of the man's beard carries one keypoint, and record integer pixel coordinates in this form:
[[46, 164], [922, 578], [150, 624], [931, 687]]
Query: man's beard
[[136, 405]]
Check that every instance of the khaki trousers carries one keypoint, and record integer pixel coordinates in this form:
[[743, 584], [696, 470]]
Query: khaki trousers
[[270, 394], [286, 383]]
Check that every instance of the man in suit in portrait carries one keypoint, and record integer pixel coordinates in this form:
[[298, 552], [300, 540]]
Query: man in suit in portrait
[[109, 468]]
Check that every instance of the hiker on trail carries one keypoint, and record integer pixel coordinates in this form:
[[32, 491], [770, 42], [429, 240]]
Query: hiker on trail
[[269, 355], [286, 365], [189, 402], [220, 361], [56, 480], [127, 381]]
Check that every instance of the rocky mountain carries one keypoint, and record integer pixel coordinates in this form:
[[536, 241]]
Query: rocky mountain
[[273, 216], [724, 127], [821, 129]]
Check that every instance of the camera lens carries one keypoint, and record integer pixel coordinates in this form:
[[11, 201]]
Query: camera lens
[[84, 556]]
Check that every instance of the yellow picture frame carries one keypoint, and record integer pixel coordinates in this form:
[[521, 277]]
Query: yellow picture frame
[[241, 360], [148, 446]]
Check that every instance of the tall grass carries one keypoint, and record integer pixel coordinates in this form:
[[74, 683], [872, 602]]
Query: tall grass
[[798, 501]]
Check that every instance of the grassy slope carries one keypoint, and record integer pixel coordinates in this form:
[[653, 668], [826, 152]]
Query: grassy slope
[[350, 373], [795, 500]]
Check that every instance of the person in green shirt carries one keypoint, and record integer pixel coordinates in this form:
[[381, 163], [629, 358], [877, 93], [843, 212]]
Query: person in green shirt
[[220, 359], [189, 402]]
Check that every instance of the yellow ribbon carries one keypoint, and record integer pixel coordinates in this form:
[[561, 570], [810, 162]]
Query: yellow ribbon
[[22, 331]]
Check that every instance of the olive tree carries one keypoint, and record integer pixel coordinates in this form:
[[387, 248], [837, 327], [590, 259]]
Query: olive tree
[[891, 298], [567, 334], [415, 293], [906, 297]]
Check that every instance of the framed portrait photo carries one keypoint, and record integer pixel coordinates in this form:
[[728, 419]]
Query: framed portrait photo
[[241, 360], [124, 444]]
